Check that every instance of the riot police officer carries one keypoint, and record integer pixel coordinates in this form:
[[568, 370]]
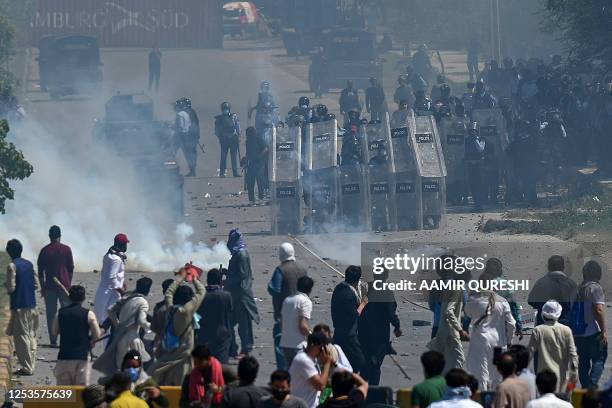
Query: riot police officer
[[256, 155], [436, 90], [422, 104], [354, 118], [302, 109], [263, 113], [474, 157], [400, 116], [227, 130], [349, 100], [376, 103], [523, 155], [482, 99], [321, 114], [351, 147], [404, 91], [187, 132], [421, 62]]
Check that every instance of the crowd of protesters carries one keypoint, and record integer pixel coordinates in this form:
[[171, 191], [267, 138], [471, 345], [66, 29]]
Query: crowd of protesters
[[195, 335]]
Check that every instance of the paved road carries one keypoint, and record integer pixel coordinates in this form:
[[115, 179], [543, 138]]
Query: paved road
[[213, 206]]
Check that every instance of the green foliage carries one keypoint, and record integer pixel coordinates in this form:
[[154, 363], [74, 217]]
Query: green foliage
[[18, 11], [585, 27], [13, 166], [7, 40], [447, 24]]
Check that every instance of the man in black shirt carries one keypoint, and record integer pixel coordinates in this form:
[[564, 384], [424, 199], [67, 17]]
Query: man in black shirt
[[349, 391], [216, 311], [247, 394]]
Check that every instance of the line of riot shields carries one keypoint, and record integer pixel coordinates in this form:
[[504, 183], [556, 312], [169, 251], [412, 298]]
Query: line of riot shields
[[454, 131], [399, 183]]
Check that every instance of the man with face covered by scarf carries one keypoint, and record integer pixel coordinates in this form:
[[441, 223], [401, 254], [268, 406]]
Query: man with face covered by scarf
[[239, 284], [112, 278]]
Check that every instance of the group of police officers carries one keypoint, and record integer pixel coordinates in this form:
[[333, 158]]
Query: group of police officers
[[390, 172]]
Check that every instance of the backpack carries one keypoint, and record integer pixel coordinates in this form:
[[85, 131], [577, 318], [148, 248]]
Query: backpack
[[577, 321], [170, 341]]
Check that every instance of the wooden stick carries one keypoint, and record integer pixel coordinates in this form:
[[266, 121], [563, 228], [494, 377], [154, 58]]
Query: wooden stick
[[61, 286]]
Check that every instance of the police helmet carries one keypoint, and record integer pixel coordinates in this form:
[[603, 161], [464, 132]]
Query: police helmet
[[322, 110], [265, 85], [474, 127], [226, 106], [304, 101], [441, 78]]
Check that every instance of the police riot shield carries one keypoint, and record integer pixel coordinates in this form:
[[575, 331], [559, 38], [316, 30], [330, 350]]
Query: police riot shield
[[493, 129], [432, 169], [406, 180], [353, 198], [376, 138], [285, 183], [453, 133], [321, 178]]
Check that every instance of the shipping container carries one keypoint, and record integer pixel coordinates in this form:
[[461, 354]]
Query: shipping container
[[132, 23]]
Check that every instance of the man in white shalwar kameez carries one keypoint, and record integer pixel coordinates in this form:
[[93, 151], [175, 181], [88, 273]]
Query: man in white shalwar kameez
[[112, 278], [128, 316], [492, 325]]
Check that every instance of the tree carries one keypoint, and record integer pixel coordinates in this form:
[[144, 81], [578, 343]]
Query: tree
[[13, 166], [585, 26]]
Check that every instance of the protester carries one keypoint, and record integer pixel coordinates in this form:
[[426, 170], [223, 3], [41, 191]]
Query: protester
[[555, 346], [458, 393], [554, 285], [78, 330], [143, 386], [216, 314], [494, 269], [239, 284], [128, 317], [295, 316], [159, 317], [204, 386], [94, 396], [246, 394], [282, 285], [492, 326], [339, 361], [448, 338], [345, 308], [21, 285], [120, 386], [112, 278], [590, 332], [373, 329], [280, 389], [522, 358], [432, 389], [55, 262], [174, 362], [349, 390], [307, 378], [512, 391], [547, 385]]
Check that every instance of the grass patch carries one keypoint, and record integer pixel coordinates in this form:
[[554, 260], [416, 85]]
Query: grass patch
[[588, 214]]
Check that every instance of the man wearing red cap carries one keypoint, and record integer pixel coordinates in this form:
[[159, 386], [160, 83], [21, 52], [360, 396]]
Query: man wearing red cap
[[112, 278]]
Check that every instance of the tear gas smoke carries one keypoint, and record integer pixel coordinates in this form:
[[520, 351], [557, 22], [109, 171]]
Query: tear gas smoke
[[92, 194]]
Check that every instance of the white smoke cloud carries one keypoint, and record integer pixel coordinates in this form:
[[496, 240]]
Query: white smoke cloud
[[92, 194]]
